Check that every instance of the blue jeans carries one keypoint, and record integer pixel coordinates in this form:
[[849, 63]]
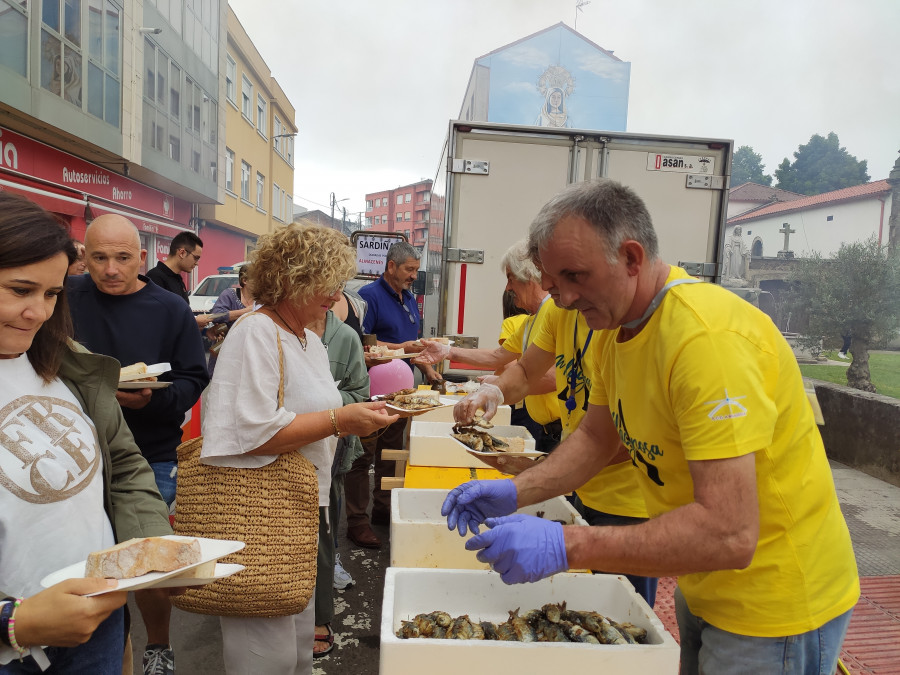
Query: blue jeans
[[645, 586], [101, 655], [165, 474], [707, 649]]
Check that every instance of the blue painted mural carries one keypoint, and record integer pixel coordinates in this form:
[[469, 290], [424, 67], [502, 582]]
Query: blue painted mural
[[557, 78]]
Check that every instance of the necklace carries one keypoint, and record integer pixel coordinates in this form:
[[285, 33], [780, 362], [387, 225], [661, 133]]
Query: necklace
[[301, 340]]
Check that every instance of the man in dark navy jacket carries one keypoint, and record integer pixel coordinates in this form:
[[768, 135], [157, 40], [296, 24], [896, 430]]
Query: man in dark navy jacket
[[118, 312]]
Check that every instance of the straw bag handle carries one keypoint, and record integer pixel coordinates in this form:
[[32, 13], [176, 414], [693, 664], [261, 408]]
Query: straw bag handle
[[280, 357]]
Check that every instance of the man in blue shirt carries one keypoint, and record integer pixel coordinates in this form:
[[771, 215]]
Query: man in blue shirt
[[393, 317]]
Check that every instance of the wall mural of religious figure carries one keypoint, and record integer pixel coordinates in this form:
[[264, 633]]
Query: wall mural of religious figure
[[556, 84]]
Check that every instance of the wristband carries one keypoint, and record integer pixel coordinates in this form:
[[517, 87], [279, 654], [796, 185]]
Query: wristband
[[11, 630], [6, 610], [334, 426]]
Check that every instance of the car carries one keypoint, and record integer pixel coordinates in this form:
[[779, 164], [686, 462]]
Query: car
[[208, 291]]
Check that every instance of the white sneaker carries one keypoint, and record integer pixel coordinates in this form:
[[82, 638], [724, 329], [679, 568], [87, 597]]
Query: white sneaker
[[342, 578], [842, 355]]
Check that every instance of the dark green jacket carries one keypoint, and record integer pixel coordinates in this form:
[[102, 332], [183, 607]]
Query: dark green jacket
[[130, 496]]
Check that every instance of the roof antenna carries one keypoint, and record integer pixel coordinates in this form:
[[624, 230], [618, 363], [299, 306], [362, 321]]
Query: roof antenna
[[578, 5]]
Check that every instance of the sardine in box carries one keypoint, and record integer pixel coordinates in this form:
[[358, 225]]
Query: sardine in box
[[430, 444], [420, 538], [484, 597]]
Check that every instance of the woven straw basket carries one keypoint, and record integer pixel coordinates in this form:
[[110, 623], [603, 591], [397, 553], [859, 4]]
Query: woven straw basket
[[274, 510]]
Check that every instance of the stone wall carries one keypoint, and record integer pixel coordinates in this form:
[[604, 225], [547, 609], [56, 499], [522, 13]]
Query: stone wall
[[861, 429]]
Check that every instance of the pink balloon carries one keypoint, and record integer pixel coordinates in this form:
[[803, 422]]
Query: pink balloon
[[389, 377]]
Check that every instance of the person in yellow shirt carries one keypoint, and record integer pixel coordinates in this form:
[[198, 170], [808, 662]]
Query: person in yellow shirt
[[523, 280], [706, 397]]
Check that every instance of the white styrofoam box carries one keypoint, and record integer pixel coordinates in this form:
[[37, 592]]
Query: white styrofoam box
[[484, 597], [420, 538], [445, 414], [430, 444]]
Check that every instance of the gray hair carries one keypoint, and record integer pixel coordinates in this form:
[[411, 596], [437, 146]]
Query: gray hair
[[614, 211], [517, 262], [400, 252]]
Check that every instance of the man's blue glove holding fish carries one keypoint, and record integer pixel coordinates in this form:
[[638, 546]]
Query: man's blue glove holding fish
[[521, 548], [468, 505]]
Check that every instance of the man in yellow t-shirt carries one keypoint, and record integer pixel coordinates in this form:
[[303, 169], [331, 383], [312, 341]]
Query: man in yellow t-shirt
[[523, 279], [706, 395]]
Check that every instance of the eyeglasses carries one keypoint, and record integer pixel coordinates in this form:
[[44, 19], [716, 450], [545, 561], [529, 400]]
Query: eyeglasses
[[409, 314], [192, 254]]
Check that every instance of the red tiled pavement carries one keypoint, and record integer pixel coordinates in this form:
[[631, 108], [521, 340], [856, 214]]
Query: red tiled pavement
[[872, 645]]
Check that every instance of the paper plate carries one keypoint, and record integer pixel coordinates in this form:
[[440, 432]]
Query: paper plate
[[156, 369], [198, 574], [129, 386]]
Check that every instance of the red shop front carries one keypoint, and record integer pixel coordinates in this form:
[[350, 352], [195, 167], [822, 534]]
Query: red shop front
[[78, 191]]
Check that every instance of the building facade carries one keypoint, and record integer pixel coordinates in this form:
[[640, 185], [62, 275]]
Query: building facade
[[257, 176], [112, 107], [409, 210], [553, 78]]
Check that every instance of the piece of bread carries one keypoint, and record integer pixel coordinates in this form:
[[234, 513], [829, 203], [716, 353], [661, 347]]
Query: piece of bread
[[136, 557], [138, 368]]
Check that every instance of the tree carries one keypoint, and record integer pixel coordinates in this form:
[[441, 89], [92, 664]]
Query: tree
[[857, 291], [747, 167], [821, 166]]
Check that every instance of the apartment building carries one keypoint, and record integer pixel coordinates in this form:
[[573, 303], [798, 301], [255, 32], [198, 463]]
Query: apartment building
[[257, 175], [108, 106]]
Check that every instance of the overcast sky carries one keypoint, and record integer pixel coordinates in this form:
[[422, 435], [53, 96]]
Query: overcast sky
[[375, 82]]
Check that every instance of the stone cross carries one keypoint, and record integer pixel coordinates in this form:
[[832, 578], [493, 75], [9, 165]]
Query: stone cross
[[787, 232]]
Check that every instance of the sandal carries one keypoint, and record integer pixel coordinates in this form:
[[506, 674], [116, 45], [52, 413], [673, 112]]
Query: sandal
[[327, 638]]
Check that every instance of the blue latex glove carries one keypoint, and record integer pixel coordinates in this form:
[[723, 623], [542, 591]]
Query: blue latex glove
[[522, 548], [469, 504]]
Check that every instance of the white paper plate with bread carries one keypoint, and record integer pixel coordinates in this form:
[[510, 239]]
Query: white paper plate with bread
[[141, 376], [129, 561]]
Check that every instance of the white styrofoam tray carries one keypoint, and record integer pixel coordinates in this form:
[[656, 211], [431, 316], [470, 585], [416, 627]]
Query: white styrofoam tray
[[430, 444], [502, 416], [420, 538], [484, 597]]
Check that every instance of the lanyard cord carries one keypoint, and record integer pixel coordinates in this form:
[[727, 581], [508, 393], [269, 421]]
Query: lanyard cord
[[576, 365], [657, 300]]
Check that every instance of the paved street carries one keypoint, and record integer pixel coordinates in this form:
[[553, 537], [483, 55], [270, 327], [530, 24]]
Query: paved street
[[871, 506]]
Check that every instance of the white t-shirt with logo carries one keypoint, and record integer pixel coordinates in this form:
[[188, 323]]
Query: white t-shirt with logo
[[51, 479]]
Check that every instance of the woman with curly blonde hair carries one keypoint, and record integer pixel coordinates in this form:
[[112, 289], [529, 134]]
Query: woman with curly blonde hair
[[298, 273]]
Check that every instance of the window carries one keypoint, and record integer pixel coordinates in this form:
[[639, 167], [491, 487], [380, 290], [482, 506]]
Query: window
[[14, 46], [399, 200], [368, 221], [288, 207], [406, 215], [261, 114], [399, 217], [368, 205], [426, 196], [247, 98], [289, 144], [276, 134], [260, 191], [827, 218], [407, 198], [230, 75], [384, 201], [276, 202], [378, 220], [229, 170], [69, 60], [245, 181]]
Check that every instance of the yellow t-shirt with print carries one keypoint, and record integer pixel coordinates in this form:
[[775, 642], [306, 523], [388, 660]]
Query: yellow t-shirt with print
[[711, 377], [561, 331], [541, 408]]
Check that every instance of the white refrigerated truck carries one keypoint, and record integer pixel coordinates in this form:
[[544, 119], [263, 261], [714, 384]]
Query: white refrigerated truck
[[493, 179]]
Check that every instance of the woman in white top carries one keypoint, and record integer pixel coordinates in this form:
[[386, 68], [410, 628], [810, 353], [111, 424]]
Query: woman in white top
[[298, 273], [72, 480]]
